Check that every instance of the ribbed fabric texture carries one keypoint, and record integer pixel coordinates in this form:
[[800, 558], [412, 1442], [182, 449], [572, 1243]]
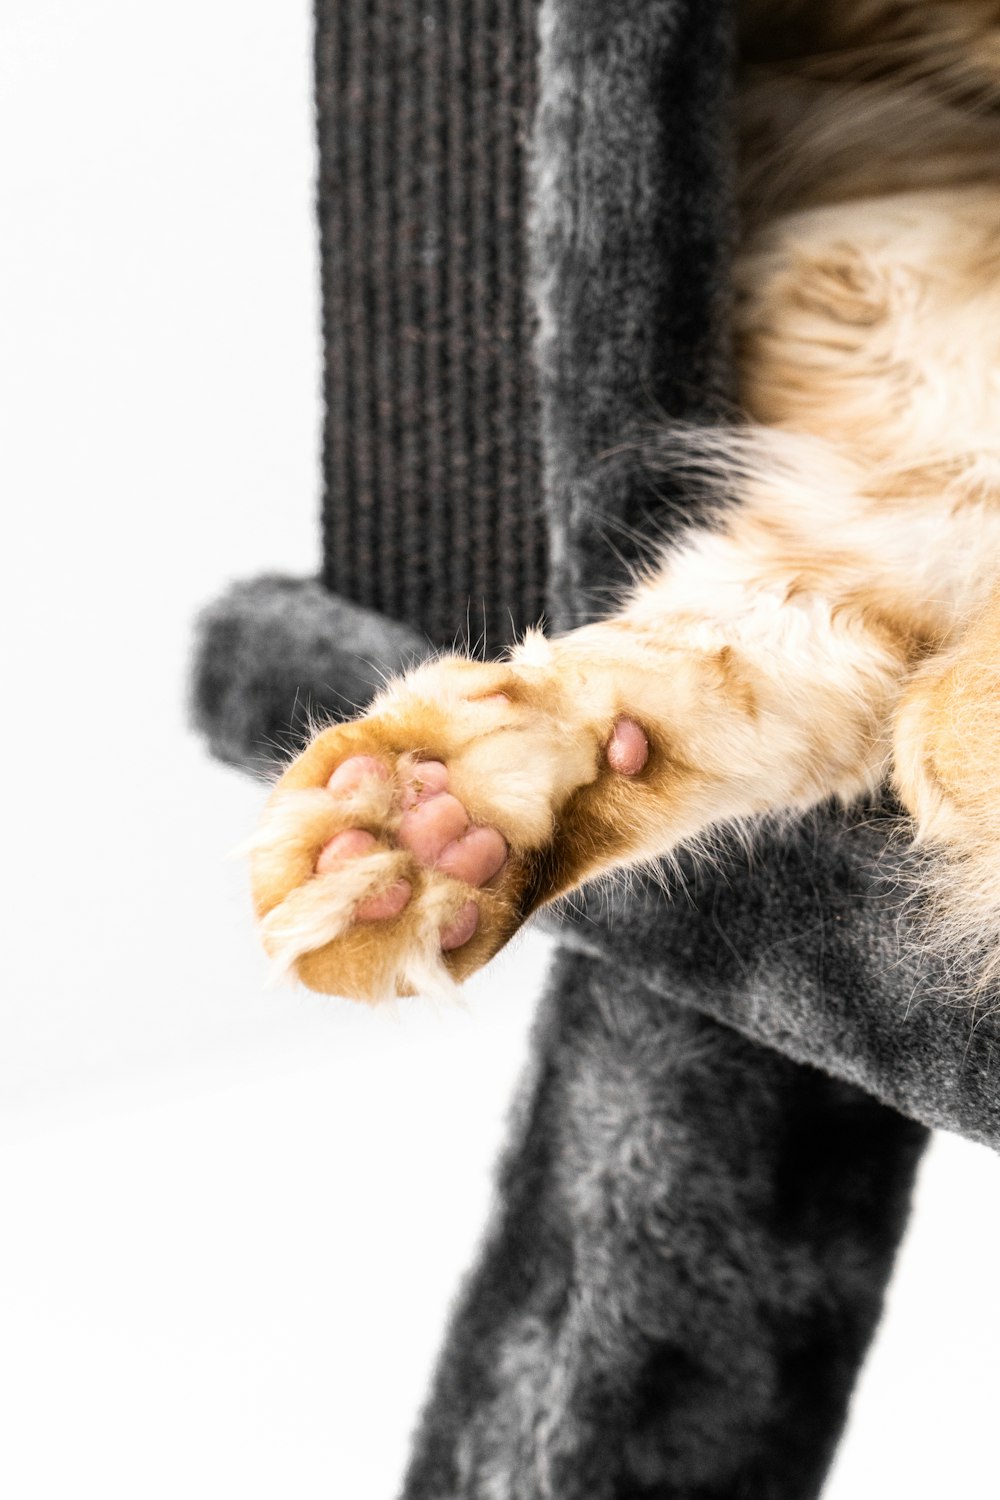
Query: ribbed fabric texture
[[432, 509]]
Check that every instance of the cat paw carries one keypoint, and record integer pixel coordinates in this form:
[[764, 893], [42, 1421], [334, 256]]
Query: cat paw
[[399, 852]]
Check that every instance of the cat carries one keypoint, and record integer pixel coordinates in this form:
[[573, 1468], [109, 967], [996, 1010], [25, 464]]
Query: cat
[[837, 624]]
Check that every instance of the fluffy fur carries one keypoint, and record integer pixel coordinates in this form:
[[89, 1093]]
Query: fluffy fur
[[840, 622]]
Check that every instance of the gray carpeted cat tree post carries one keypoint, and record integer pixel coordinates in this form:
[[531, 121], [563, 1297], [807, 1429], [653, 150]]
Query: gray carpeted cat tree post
[[730, 1090]]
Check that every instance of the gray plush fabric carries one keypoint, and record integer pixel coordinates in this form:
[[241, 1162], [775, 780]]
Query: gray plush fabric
[[814, 948], [633, 224], [685, 1266], [274, 651]]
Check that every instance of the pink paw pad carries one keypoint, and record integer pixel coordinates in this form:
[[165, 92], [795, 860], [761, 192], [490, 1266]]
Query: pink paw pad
[[425, 779], [461, 928], [628, 748], [352, 844], [434, 827], [352, 772], [474, 857], [430, 826]]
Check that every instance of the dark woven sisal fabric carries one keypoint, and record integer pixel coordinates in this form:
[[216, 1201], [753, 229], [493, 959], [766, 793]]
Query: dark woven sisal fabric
[[431, 454]]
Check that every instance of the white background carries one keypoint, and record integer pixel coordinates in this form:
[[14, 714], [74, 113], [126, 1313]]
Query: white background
[[233, 1218]]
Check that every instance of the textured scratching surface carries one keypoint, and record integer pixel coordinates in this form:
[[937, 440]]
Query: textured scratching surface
[[431, 451]]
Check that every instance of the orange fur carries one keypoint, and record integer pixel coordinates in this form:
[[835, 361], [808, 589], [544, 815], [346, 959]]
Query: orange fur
[[840, 622]]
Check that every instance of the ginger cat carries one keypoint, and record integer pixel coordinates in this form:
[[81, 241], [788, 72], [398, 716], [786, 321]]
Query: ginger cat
[[840, 622]]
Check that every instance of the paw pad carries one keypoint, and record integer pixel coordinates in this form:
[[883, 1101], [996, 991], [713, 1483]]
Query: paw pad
[[433, 826], [383, 860]]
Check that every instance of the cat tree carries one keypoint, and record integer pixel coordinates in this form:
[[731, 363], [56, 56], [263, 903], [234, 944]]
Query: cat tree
[[730, 1090]]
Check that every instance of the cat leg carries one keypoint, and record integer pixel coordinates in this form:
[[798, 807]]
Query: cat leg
[[401, 851]]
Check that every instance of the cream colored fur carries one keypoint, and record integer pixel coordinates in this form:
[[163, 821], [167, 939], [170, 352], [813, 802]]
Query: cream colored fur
[[841, 621]]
